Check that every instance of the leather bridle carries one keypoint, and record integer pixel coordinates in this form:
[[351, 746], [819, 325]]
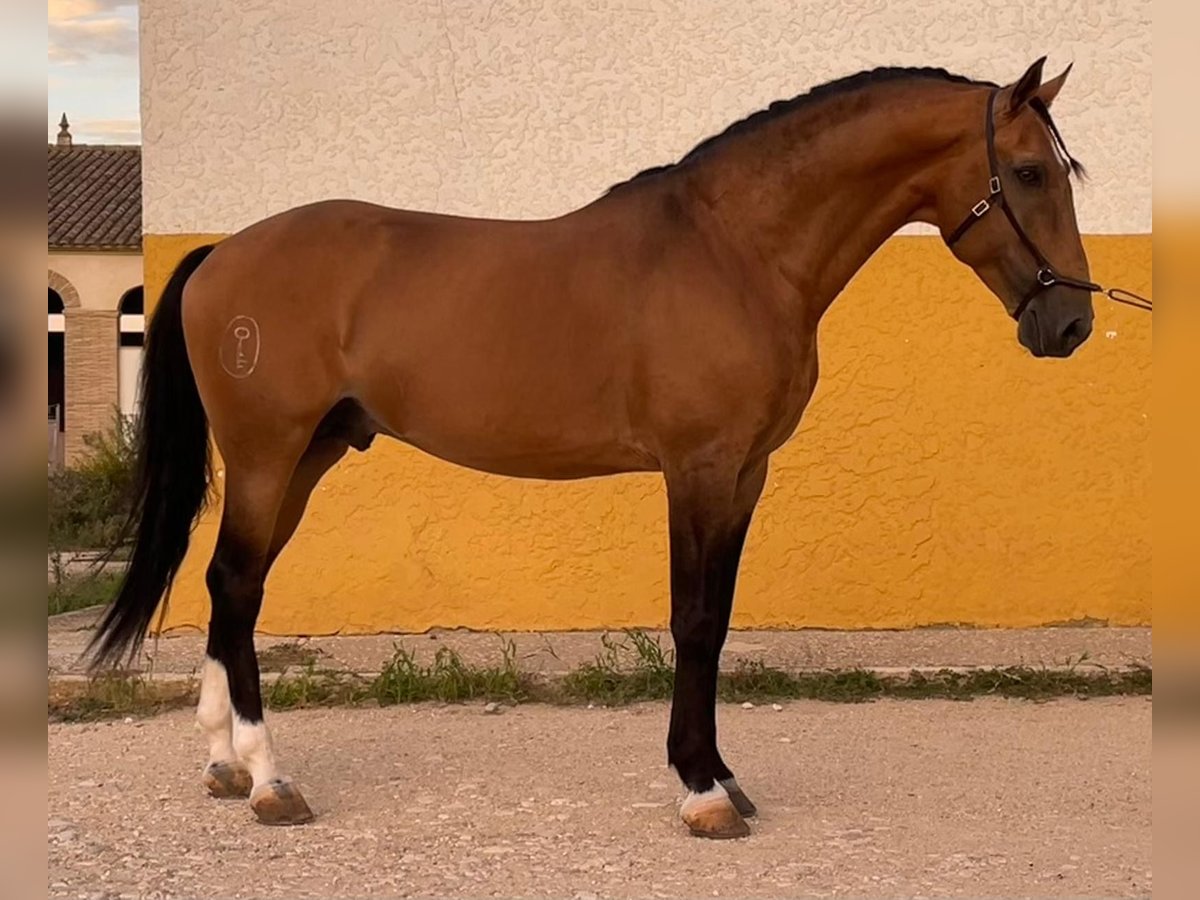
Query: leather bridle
[[1047, 276]]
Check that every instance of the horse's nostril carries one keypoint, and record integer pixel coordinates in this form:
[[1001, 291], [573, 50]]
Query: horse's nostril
[[1076, 332]]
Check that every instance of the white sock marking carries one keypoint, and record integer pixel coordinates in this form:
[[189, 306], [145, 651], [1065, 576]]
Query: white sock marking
[[213, 712], [252, 741]]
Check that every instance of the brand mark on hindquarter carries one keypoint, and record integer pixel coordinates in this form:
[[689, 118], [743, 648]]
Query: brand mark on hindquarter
[[239, 347]]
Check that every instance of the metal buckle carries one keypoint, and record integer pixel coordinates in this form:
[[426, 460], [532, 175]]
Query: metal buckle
[[980, 208], [1046, 277], [994, 185]]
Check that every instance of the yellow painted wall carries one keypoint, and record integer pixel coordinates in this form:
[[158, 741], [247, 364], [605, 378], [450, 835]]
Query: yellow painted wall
[[941, 475]]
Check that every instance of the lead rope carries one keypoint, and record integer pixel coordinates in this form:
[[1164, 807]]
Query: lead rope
[[1129, 298], [1048, 278]]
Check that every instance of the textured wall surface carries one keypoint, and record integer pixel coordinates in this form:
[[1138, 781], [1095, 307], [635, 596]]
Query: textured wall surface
[[940, 475], [524, 108]]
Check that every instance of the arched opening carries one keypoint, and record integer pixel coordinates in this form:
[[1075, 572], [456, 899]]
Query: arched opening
[[131, 333], [56, 357], [65, 290]]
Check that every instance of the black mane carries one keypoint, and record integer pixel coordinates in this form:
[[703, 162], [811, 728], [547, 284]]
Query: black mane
[[824, 91]]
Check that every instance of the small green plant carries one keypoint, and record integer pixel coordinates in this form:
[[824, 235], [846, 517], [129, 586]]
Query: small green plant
[[755, 681], [449, 679], [636, 668], [114, 695], [403, 680], [314, 687]]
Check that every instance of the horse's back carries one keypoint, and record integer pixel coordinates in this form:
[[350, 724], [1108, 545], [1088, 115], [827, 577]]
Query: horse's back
[[445, 328]]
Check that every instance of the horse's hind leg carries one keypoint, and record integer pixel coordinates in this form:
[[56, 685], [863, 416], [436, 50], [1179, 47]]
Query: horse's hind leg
[[254, 496], [226, 775]]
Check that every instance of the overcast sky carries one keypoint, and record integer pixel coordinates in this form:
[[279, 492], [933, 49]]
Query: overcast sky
[[93, 74]]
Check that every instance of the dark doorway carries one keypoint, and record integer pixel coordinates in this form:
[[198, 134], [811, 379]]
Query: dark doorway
[[56, 358]]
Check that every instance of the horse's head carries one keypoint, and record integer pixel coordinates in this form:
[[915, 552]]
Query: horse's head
[[1008, 212]]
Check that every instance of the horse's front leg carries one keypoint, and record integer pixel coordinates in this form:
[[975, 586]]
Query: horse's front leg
[[710, 506]]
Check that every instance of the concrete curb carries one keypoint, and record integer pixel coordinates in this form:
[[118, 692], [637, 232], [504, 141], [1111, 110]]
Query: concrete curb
[[893, 672], [550, 653]]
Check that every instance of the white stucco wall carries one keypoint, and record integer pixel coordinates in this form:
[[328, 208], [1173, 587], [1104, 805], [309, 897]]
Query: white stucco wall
[[528, 107]]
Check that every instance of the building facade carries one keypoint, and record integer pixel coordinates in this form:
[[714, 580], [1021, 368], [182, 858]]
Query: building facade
[[941, 475], [95, 305]]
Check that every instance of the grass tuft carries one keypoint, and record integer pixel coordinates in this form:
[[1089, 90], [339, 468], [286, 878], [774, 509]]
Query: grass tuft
[[449, 679], [636, 668], [404, 680], [312, 687], [755, 681], [117, 695]]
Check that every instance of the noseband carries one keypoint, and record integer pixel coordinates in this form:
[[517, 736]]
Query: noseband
[[1046, 276]]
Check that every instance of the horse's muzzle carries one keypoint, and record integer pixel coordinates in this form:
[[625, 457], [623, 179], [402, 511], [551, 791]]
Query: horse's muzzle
[[1051, 335]]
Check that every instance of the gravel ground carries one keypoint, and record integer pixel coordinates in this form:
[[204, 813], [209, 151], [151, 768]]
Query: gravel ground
[[891, 798]]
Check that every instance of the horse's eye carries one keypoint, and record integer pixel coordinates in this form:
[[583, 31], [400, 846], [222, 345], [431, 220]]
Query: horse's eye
[[1030, 175]]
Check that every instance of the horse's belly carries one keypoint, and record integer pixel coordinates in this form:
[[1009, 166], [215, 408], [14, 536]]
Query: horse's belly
[[526, 431], [557, 464]]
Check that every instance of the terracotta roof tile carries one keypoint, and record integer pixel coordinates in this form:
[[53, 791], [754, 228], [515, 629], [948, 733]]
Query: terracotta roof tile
[[95, 197]]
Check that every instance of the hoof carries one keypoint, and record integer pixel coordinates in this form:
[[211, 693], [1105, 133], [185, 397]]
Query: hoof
[[225, 780], [743, 804], [279, 802], [713, 815]]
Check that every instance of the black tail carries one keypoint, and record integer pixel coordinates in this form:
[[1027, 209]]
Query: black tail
[[173, 475]]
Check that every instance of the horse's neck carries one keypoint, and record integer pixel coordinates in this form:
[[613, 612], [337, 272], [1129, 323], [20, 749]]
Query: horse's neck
[[817, 200]]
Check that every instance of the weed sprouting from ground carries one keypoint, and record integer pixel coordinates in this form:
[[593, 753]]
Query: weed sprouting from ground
[[313, 687], [755, 681], [449, 679], [117, 695], [637, 668], [404, 680], [1027, 683]]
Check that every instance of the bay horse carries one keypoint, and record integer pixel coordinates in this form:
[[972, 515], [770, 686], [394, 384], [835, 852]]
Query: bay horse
[[670, 326]]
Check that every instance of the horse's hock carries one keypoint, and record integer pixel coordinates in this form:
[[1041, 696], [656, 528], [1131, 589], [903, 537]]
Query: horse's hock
[[940, 476]]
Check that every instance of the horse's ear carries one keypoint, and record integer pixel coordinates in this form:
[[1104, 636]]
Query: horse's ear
[[1048, 91], [1026, 87]]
